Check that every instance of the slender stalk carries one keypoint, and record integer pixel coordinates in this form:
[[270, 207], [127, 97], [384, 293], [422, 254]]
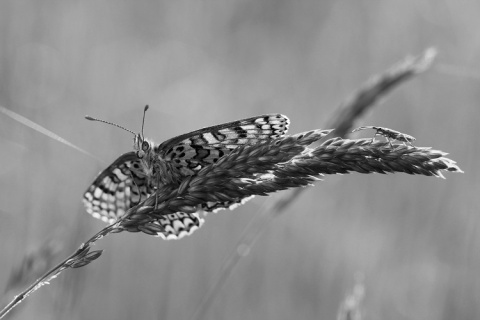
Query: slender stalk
[[69, 262]]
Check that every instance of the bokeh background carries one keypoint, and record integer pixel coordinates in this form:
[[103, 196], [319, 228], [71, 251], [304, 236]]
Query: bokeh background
[[415, 241]]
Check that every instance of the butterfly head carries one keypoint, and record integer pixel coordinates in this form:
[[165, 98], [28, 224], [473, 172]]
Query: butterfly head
[[142, 146]]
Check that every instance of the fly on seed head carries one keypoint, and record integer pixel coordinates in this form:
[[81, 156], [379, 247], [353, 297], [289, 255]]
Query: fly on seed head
[[389, 134]]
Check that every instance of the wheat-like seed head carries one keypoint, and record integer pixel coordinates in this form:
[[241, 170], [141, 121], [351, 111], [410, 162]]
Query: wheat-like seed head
[[281, 164]]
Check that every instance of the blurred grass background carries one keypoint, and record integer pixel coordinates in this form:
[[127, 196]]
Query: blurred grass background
[[415, 240]]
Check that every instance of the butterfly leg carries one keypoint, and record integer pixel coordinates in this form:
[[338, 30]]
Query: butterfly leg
[[407, 139], [389, 141], [156, 193], [136, 186]]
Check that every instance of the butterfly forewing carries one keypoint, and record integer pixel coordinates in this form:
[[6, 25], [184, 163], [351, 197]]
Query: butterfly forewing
[[240, 132], [192, 151], [124, 183]]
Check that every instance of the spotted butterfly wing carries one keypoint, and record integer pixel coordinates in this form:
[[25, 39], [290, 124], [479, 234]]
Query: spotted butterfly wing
[[123, 184], [192, 151], [117, 188]]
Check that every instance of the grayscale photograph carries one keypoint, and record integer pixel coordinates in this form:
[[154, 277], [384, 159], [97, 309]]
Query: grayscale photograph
[[239, 160]]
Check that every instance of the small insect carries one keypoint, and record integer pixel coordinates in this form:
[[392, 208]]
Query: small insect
[[137, 174], [389, 134]]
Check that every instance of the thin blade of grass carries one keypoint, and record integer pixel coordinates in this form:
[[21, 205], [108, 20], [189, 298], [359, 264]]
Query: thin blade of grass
[[29, 123], [376, 88]]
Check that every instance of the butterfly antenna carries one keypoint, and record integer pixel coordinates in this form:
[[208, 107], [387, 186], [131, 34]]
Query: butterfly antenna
[[111, 123], [143, 121]]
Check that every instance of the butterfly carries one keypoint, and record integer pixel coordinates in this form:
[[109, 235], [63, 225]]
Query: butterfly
[[137, 174]]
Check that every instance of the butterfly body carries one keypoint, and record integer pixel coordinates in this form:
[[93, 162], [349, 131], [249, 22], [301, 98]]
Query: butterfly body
[[136, 175]]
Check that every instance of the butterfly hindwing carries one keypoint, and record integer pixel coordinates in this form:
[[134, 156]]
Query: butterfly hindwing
[[223, 205], [117, 188], [178, 225], [121, 186]]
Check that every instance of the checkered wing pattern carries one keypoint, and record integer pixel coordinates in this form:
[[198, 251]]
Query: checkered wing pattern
[[124, 183], [178, 225], [192, 151], [116, 189]]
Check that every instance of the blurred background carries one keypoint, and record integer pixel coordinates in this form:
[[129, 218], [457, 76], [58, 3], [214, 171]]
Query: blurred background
[[413, 240]]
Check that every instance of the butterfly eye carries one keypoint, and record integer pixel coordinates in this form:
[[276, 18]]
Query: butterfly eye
[[145, 146], [140, 154]]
